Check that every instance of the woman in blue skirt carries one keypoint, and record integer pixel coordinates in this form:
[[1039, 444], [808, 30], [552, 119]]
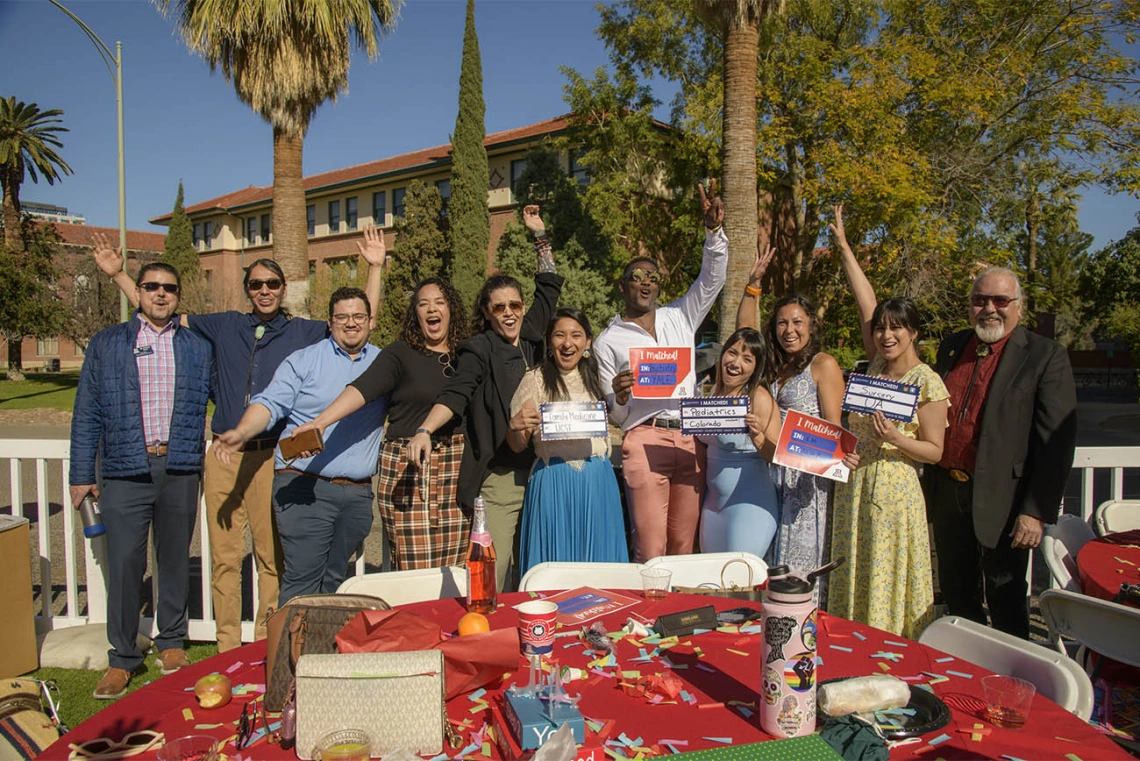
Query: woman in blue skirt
[[572, 508]]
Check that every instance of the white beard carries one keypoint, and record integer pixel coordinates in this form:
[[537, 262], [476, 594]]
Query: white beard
[[990, 334]]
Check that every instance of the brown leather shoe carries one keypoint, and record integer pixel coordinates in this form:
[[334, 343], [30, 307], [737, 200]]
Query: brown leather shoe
[[113, 684], [172, 659]]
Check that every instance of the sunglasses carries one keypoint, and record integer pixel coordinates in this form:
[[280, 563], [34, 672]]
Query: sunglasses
[[248, 733], [1000, 302], [641, 276], [502, 307], [133, 744], [152, 287], [273, 284]]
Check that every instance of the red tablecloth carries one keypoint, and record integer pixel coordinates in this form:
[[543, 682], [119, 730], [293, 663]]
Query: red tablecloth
[[1051, 732], [1105, 563]]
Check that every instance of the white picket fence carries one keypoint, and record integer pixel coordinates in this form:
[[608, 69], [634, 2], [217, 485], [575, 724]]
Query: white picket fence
[[55, 453]]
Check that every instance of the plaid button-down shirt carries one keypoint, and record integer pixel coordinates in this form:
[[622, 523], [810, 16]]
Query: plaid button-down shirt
[[154, 353]]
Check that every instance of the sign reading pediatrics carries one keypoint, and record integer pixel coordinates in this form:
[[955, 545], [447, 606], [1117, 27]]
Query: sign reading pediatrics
[[714, 414], [814, 446], [867, 393], [664, 372]]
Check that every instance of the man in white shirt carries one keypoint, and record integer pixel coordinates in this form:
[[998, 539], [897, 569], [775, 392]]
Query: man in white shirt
[[663, 476]]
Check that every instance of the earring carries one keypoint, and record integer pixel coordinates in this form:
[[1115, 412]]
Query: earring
[[586, 354]]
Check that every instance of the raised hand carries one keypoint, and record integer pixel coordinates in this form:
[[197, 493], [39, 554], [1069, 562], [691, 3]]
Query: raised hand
[[760, 266], [532, 220], [711, 205], [837, 230], [372, 249], [109, 260]]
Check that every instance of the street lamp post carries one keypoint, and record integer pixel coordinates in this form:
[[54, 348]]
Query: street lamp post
[[109, 58]]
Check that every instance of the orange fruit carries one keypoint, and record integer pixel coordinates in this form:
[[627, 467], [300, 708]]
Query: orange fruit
[[473, 623]]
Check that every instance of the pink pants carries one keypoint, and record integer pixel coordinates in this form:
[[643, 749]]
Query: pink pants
[[664, 480]]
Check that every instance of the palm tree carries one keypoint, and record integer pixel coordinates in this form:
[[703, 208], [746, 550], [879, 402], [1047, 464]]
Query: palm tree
[[27, 142], [284, 59], [739, 25]]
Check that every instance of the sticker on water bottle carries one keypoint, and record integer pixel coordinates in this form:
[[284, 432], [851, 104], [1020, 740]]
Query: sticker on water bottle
[[799, 671]]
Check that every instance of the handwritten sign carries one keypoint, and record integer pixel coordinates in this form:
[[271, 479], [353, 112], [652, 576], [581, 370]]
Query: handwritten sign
[[714, 414], [867, 393], [577, 606], [662, 372], [815, 446], [573, 420]]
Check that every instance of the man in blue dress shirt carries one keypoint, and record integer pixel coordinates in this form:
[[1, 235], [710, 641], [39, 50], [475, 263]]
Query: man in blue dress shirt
[[323, 503]]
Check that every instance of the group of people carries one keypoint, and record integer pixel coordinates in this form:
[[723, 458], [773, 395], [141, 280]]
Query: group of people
[[446, 414]]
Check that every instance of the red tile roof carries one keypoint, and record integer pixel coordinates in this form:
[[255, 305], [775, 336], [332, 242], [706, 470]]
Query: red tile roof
[[427, 156], [84, 235]]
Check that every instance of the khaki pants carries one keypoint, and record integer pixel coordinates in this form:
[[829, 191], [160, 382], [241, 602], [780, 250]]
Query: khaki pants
[[503, 489], [240, 495]]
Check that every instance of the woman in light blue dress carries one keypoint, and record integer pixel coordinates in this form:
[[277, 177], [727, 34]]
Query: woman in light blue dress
[[740, 511]]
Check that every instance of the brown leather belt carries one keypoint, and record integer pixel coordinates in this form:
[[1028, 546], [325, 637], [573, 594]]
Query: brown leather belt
[[958, 475], [657, 422], [158, 450], [338, 480], [256, 445]]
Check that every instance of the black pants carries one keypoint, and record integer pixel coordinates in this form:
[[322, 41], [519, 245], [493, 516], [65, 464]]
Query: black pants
[[969, 573], [169, 501]]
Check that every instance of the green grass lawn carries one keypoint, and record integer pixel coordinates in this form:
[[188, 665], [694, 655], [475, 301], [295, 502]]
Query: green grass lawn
[[76, 685], [41, 390]]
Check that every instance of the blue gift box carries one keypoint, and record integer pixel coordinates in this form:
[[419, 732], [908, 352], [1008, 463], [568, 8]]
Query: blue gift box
[[531, 722]]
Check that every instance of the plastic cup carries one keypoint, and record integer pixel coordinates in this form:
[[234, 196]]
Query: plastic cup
[[344, 745], [537, 619], [655, 582], [189, 748], [1007, 700]]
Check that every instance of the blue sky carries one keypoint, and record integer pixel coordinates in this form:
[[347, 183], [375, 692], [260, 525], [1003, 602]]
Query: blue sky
[[184, 123]]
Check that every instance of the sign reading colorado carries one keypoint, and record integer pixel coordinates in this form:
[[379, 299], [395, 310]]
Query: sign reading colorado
[[664, 372], [814, 446], [866, 393], [714, 414], [573, 420]]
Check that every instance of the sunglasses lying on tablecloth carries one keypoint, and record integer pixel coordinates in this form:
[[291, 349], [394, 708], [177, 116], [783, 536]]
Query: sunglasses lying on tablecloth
[[106, 749]]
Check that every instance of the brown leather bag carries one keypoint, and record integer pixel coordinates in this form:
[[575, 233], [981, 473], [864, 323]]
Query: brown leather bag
[[306, 624]]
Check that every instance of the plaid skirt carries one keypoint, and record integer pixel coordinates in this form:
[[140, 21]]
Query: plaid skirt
[[423, 522]]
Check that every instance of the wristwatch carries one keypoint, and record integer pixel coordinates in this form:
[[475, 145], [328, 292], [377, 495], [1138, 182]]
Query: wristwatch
[[423, 430]]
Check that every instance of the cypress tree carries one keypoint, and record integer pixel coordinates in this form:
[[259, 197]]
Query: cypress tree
[[178, 251], [467, 209]]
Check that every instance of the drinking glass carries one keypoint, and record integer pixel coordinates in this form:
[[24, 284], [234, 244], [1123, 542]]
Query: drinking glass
[[655, 582], [1007, 700]]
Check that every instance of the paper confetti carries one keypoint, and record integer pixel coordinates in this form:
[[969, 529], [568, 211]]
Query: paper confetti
[[960, 673], [947, 659], [234, 667], [940, 739], [895, 643], [840, 647], [859, 636], [725, 740], [187, 714], [736, 652]]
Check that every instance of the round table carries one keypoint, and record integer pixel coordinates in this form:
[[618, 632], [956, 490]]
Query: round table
[[1105, 563], [720, 671]]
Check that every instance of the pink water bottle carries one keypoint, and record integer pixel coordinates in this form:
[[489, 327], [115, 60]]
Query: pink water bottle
[[787, 657]]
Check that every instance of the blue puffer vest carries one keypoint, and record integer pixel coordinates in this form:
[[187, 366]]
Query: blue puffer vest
[[108, 406]]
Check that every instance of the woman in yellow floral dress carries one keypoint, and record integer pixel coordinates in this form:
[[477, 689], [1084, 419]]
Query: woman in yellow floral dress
[[879, 515]]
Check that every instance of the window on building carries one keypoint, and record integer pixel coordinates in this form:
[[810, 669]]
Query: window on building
[[197, 235], [379, 209], [398, 201], [444, 187], [334, 217], [266, 228], [350, 213], [208, 279], [208, 233], [251, 231], [578, 171], [517, 168], [47, 347], [311, 218]]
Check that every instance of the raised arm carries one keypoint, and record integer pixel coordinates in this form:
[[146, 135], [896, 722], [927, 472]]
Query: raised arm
[[698, 300], [860, 285], [746, 313], [110, 263], [372, 250]]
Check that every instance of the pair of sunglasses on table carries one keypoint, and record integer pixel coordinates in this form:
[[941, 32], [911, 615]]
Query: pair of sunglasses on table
[[105, 749], [253, 714]]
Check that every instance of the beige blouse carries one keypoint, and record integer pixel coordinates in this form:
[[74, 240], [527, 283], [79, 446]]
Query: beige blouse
[[573, 451]]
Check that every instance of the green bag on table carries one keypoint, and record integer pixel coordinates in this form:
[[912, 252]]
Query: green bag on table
[[809, 748]]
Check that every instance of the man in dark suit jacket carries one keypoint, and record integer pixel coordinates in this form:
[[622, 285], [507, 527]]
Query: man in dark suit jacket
[[1009, 448]]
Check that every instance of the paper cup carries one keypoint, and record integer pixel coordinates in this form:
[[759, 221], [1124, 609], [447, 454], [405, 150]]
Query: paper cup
[[536, 626]]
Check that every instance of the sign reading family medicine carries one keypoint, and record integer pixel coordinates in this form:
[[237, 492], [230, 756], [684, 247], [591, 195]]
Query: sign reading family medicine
[[664, 372], [714, 414], [814, 446], [573, 420], [866, 393]]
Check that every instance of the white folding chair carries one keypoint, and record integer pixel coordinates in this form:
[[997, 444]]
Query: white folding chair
[[1056, 676], [553, 575], [707, 568], [1117, 515], [1060, 545], [401, 587], [1108, 628]]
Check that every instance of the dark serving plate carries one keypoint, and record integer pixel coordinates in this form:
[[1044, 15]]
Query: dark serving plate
[[930, 714]]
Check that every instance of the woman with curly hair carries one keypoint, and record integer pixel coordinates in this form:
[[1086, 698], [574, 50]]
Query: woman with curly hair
[[804, 378], [423, 522]]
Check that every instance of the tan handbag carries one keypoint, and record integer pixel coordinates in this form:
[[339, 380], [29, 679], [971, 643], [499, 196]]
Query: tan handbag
[[747, 592], [306, 624]]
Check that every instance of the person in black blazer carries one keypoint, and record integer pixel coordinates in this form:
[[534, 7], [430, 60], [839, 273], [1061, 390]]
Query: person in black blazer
[[1009, 449], [507, 341]]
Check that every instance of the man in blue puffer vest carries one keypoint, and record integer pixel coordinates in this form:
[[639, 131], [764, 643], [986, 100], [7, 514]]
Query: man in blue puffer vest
[[141, 407]]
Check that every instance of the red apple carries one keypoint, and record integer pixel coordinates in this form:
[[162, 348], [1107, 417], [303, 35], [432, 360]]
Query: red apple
[[213, 690]]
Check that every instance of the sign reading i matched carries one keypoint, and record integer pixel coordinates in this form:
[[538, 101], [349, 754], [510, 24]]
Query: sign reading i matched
[[664, 372], [573, 420], [867, 393], [714, 414], [814, 446]]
